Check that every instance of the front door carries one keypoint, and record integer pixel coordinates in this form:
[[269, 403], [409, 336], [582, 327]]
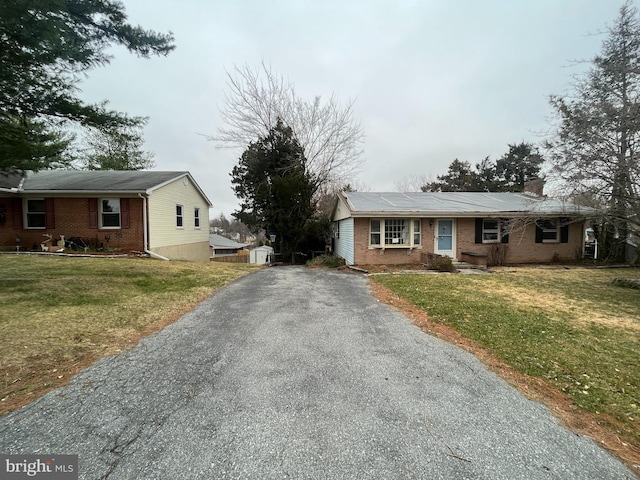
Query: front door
[[445, 238]]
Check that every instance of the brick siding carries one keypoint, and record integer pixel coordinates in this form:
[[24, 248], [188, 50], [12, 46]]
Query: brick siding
[[520, 249], [72, 220]]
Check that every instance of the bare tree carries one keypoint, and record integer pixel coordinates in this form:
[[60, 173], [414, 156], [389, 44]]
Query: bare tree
[[328, 132], [412, 183]]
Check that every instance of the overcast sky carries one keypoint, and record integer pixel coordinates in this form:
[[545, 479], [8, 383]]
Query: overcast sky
[[432, 80]]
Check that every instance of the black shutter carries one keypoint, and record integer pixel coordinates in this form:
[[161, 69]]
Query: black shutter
[[564, 230], [478, 230], [538, 233]]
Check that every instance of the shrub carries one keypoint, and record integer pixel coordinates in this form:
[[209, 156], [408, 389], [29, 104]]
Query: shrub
[[497, 255], [439, 263], [328, 261]]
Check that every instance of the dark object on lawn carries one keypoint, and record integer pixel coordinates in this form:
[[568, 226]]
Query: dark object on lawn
[[627, 282], [76, 243]]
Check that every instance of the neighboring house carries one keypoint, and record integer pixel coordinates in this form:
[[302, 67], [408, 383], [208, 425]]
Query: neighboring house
[[403, 228], [164, 214], [223, 246]]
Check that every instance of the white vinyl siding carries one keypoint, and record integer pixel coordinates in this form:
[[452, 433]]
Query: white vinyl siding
[[162, 215], [344, 244]]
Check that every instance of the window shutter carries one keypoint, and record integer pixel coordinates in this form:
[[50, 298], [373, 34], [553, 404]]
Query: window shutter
[[49, 213], [478, 230], [564, 230], [16, 208], [538, 233], [504, 225], [125, 216], [93, 213]]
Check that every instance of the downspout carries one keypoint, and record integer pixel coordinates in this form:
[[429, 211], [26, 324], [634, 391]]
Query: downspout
[[144, 230]]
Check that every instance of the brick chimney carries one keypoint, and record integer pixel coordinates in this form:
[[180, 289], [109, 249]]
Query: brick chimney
[[534, 185]]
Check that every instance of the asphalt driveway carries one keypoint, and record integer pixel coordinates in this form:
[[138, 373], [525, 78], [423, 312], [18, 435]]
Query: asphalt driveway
[[298, 373]]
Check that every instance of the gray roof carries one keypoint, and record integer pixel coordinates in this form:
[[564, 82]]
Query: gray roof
[[458, 204], [216, 240], [97, 180], [10, 180], [92, 182]]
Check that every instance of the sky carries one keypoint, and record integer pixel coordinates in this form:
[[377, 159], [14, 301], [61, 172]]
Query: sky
[[432, 80]]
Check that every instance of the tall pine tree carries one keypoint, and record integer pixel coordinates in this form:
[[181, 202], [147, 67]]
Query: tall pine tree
[[275, 188], [594, 148], [46, 47]]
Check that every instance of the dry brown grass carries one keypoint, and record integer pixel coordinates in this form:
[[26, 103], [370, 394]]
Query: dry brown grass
[[58, 314]]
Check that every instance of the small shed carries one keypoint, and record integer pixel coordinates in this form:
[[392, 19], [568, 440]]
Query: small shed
[[261, 255]]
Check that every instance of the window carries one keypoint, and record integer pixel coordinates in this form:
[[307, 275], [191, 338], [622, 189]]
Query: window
[[416, 232], [398, 232], [395, 232], [549, 230], [490, 230], [336, 230], [374, 232], [196, 217], [110, 213], [36, 213], [179, 216]]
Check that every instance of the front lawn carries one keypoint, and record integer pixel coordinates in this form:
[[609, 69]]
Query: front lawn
[[59, 314], [574, 328]]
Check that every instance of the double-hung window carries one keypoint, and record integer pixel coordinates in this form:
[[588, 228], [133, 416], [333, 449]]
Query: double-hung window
[[36, 213], [394, 232], [549, 230], [110, 213], [374, 232], [490, 230], [196, 217], [180, 216]]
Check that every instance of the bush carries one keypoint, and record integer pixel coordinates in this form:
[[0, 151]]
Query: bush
[[439, 263], [497, 255], [328, 261]]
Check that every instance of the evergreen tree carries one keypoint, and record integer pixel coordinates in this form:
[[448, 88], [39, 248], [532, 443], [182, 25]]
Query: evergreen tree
[[116, 149], [46, 46], [507, 174], [594, 148], [275, 189]]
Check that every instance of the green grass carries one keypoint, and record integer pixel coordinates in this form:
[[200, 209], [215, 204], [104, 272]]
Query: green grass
[[574, 328], [58, 314]]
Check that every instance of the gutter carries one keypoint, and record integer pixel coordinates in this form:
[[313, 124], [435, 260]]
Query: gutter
[[144, 230]]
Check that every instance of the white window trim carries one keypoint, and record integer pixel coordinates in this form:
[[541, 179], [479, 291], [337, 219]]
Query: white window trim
[[100, 213], [196, 218], [418, 232], [410, 243], [25, 209], [180, 216], [557, 230], [497, 231]]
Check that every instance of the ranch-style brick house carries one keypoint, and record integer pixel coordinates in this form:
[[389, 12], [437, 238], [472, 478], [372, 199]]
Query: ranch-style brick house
[[476, 227], [164, 214]]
